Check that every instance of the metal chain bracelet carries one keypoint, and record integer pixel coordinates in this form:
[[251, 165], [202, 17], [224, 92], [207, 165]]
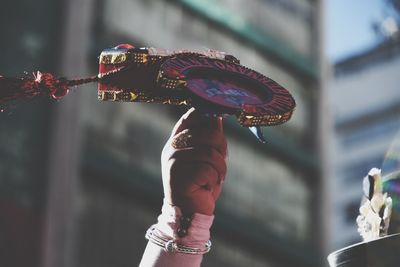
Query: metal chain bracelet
[[170, 245]]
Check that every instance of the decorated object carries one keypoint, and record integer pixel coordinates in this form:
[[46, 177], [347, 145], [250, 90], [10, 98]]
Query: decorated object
[[211, 81], [378, 248]]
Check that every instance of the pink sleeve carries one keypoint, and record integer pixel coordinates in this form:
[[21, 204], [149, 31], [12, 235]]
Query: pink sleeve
[[168, 226]]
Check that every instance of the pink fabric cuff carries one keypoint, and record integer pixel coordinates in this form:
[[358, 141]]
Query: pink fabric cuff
[[170, 222]]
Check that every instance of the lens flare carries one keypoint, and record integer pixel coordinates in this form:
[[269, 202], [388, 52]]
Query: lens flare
[[391, 172]]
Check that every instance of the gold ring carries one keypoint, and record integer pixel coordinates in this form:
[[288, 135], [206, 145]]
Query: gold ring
[[181, 140]]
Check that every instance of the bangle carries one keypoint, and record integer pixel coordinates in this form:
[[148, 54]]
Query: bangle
[[170, 245]]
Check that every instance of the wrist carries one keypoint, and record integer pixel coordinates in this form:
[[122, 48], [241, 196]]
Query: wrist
[[189, 207], [191, 230]]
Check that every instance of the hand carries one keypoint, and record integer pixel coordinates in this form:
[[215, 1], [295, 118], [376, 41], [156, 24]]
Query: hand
[[193, 163]]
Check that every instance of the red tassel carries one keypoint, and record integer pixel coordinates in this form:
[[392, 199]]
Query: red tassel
[[46, 84]]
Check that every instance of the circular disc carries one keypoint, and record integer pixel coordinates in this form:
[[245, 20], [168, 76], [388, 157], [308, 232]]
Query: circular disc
[[256, 99]]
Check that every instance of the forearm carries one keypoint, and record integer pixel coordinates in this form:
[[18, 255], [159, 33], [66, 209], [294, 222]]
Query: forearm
[[171, 225]]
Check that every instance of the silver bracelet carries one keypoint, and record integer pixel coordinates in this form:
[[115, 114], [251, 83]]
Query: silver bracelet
[[170, 245]]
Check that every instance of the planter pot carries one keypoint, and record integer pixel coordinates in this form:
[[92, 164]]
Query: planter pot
[[382, 252]]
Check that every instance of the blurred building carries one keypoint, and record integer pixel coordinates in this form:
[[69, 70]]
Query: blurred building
[[95, 174], [365, 99]]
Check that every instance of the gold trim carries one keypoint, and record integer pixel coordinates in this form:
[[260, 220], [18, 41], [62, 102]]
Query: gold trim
[[170, 83], [119, 58], [249, 120], [135, 97]]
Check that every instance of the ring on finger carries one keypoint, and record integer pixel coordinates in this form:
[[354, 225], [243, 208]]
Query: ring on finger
[[181, 140]]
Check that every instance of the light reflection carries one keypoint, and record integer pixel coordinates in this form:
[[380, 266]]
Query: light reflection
[[391, 172]]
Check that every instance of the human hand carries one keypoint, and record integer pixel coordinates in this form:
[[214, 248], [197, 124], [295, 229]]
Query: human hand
[[193, 163]]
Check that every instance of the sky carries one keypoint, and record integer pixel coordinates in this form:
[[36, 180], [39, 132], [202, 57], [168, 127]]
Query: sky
[[348, 24]]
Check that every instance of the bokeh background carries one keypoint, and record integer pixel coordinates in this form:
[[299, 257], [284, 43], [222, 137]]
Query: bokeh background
[[80, 179]]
